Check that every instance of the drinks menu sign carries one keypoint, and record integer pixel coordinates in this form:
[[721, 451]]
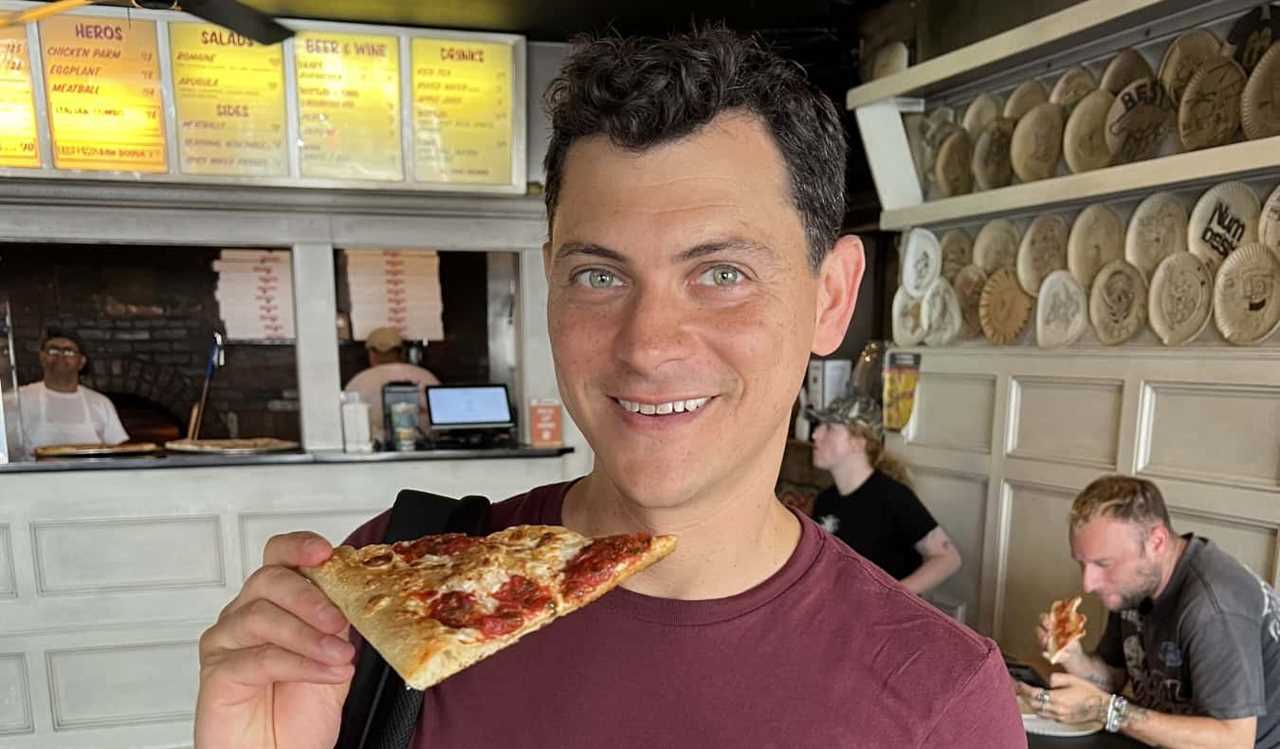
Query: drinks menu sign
[[102, 78], [18, 144], [349, 105], [230, 98], [462, 106]]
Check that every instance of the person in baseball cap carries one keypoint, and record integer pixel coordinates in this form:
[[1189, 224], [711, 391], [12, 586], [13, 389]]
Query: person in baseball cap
[[385, 348], [872, 506]]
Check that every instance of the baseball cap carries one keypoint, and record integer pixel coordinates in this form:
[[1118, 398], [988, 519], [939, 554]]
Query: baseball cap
[[383, 339], [851, 410]]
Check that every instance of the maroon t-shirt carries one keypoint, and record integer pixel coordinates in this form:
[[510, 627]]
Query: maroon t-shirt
[[827, 652]]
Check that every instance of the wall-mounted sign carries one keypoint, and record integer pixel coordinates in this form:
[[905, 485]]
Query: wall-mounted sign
[[349, 105], [18, 141], [230, 98], [102, 79], [462, 106]]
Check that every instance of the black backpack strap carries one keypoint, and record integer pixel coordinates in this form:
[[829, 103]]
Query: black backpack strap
[[380, 713]]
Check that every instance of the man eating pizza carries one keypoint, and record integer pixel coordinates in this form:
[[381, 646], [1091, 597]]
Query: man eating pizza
[[1193, 633], [695, 193]]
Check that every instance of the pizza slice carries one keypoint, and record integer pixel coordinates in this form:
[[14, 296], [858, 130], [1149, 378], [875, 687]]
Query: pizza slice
[[435, 606], [1066, 625]]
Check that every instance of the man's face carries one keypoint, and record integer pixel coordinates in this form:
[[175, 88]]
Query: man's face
[[1117, 562], [682, 308], [833, 444], [61, 358]]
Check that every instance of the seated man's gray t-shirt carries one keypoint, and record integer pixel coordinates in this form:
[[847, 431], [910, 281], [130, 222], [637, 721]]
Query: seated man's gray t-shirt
[[1209, 645]]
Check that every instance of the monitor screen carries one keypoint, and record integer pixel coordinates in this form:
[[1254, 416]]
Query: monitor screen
[[468, 406]]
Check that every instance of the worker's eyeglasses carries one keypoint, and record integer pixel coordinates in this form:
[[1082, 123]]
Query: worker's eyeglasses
[[60, 351]]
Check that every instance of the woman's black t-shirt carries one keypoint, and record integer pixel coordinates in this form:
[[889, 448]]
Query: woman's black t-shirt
[[882, 520]]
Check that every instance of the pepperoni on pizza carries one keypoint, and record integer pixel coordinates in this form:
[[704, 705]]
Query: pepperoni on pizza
[[1066, 625]]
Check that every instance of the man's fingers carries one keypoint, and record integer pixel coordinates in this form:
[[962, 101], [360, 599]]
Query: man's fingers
[[262, 622], [298, 549], [268, 664], [292, 592]]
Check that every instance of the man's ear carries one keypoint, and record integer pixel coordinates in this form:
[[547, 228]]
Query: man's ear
[[84, 362], [838, 282], [546, 260]]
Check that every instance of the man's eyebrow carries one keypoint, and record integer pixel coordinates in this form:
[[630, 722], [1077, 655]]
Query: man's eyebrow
[[743, 246]]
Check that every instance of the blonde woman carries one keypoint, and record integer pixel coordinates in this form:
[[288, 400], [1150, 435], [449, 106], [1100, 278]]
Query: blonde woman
[[872, 506]]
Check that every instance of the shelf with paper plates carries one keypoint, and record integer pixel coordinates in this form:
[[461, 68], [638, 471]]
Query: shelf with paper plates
[[1109, 60]]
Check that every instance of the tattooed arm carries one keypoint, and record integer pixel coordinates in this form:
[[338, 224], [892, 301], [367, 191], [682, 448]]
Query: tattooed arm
[[941, 559], [1090, 667], [1187, 731]]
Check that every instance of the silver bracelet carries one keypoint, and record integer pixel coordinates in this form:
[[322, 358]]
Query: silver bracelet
[[1117, 711]]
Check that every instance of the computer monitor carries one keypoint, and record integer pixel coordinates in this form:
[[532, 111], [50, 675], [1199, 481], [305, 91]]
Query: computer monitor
[[458, 407]]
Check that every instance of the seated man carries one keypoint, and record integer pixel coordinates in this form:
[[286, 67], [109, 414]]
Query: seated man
[[695, 192], [58, 410], [1192, 631]]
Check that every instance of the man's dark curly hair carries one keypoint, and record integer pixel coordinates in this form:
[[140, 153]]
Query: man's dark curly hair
[[644, 92]]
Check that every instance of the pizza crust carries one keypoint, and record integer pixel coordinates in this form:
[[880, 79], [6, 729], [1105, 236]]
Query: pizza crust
[[385, 594]]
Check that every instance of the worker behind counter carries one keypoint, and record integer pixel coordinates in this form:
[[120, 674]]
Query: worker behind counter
[[58, 410], [386, 364]]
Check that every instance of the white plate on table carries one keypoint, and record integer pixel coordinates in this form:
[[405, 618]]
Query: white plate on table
[[1046, 727]]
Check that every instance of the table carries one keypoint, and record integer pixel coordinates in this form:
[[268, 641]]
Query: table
[[1099, 740]]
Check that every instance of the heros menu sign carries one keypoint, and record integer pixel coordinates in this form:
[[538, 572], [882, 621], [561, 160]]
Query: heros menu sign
[[230, 100], [462, 106], [349, 105], [18, 141], [102, 80]]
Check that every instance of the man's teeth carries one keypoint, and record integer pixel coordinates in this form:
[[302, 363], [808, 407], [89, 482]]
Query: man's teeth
[[662, 409]]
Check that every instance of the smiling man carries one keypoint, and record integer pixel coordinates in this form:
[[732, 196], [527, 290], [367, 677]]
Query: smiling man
[[695, 189]]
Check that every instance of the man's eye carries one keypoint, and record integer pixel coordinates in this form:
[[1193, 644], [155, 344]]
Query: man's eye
[[596, 278], [721, 275]]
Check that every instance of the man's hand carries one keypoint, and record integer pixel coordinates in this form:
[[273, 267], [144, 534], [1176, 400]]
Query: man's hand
[[276, 667], [1070, 700]]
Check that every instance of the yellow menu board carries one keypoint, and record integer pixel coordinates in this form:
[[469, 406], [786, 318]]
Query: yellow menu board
[[18, 144], [102, 76], [229, 92], [462, 111], [349, 105]]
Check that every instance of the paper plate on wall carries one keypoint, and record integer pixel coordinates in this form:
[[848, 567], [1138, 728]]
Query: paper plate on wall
[[1118, 302], [1125, 68], [1251, 36], [941, 312], [1025, 98], [1181, 299], [1072, 87], [1037, 143], [1097, 238], [908, 322], [1209, 114], [968, 288], [1246, 295], [1260, 102], [996, 246], [982, 111], [1043, 250], [921, 261], [1062, 311], [957, 252], [1157, 229], [890, 59], [1084, 140], [1269, 223], [1187, 54], [992, 162], [1004, 308], [1224, 218], [952, 171], [1140, 121]]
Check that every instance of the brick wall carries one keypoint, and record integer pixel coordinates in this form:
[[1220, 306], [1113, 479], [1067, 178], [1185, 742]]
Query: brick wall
[[146, 316]]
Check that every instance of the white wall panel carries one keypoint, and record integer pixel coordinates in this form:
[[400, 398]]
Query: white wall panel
[[127, 555], [99, 687], [1211, 432], [257, 528], [958, 502], [1254, 544], [15, 695], [953, 411], [1066, 420], [8, 577]]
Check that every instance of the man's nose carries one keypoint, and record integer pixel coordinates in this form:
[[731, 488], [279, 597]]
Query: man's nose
[[655, 330]]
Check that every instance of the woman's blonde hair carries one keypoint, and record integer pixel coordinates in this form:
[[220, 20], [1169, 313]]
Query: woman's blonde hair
[[880, 458]]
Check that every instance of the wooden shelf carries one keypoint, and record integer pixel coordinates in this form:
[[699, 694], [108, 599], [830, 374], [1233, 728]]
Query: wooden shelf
[[1236, 161], [1056, 40]]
